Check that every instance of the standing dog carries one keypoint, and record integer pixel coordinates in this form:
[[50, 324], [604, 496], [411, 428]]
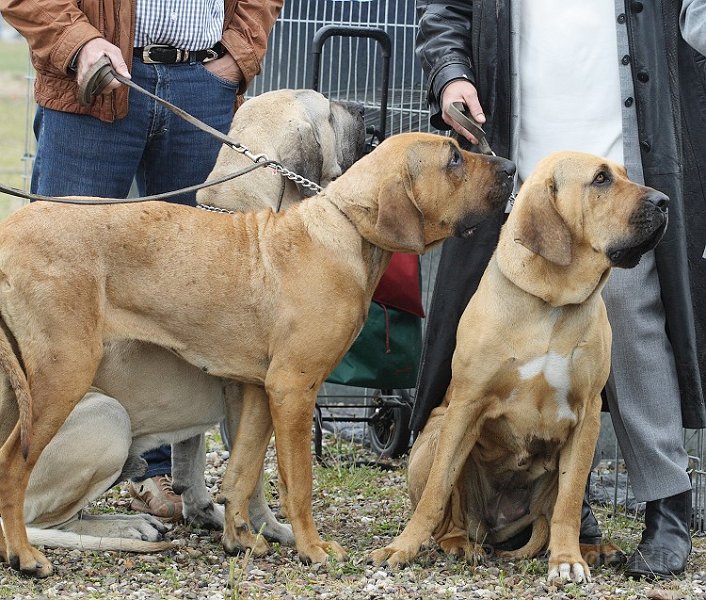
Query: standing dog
[[150, 396], [270, 299], [513, 441]]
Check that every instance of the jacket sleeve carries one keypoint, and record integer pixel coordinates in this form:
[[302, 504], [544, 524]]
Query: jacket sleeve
[[693, 24], [245, 36], [443, 47], [54, 30]]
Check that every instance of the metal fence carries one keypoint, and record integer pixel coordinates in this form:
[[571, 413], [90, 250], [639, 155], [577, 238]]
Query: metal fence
[[351, 68]]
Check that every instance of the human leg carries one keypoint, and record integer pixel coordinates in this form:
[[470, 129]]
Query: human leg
[[178, 153], [81, 155], [644, 401]]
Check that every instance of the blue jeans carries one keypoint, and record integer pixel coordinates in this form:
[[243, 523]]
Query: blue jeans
[[81, 155], [159, 462]]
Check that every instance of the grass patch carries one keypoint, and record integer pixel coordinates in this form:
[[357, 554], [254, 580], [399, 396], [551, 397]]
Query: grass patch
[[15, 115]]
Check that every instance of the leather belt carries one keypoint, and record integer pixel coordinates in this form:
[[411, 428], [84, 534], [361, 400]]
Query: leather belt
[[168, 55]]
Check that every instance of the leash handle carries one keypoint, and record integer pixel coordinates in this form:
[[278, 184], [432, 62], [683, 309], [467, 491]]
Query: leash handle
[[458, 111], [97, 78]]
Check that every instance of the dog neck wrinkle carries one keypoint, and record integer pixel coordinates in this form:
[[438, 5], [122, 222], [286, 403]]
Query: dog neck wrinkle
[[552, 287]]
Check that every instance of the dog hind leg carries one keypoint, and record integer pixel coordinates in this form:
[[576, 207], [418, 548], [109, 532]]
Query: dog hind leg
[[188, 464], [54, 392], [68, 475]]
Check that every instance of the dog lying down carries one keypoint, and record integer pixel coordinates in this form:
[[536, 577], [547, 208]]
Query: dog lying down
[[511, 446], [273, 300], [149, 395]]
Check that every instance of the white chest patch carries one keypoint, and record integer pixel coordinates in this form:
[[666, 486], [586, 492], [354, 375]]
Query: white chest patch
[[555, 369]]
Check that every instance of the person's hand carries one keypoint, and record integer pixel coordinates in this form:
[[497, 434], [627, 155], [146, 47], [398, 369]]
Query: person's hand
[[91, 52], [226, 68], [461, 90]]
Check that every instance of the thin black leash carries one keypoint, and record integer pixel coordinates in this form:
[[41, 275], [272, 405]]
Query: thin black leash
[[99, 200]]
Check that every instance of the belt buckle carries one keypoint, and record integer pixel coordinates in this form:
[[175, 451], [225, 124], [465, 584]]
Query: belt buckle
[[211, 54], [147, 59]]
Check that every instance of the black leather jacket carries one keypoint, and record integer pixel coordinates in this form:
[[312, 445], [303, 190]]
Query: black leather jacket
[[471, 39]]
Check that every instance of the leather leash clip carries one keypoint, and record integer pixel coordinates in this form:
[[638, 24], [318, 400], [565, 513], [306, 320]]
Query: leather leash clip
[[97, 78], [458, 111]]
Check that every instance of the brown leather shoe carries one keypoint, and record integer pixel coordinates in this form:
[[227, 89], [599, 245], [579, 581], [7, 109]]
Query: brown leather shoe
[[156, 497]]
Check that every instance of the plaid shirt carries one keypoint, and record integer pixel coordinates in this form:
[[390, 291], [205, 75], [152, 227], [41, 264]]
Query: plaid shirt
[[192, 25]]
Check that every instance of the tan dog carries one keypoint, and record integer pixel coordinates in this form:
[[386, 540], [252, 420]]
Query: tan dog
[[272, 300], [513, 441], [151, 397]]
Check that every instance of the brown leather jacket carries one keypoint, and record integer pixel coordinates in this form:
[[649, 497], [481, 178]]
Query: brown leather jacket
[[56, 29]]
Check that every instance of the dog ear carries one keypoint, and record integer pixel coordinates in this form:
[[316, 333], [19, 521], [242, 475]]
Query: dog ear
[[400, 223], [541, 228], [303, 155], [346, 122]]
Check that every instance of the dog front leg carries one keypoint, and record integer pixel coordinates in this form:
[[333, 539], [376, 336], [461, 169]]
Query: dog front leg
[[292, 414], [250, 430], [575, 458], [459, 433]]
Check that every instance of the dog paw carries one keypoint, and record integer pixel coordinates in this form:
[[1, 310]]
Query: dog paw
[[461, 547], [392, 557], [278, 532], [237, 539], [31, 563], [320, 552], [577, 572], [210, 516]]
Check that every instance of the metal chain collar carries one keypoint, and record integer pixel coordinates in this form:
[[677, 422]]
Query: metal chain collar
[[275, 166]]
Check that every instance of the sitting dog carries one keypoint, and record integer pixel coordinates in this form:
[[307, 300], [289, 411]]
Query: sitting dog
[[146, 395], [273, 300], [512, 443]]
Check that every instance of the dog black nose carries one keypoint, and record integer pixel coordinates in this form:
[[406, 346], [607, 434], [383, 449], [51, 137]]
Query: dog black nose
[[658, 199], [506, 166]]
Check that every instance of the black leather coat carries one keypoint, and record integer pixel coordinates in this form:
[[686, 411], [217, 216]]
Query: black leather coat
[[471, 39]]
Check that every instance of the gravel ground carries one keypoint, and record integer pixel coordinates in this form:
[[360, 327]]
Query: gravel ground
[[362, 507]]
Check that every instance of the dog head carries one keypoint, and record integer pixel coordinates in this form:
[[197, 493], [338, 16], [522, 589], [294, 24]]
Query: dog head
[[416, 189], [329, 137], [302, 130], [580, 212]]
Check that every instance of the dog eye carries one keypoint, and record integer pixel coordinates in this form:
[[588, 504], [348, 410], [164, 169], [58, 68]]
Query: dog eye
[[456, 158], [602, 178]]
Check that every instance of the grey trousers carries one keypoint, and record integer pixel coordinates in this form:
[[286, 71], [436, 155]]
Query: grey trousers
[[643, 390]]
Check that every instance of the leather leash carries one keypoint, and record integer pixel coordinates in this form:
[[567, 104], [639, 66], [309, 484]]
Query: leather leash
[[459, 112], [11, 191]]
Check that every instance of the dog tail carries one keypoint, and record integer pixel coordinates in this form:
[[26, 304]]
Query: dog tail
[[55, 538], [537, 542], [19, 384]]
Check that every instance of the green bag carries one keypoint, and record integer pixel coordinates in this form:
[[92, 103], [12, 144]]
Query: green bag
[[386, 352]]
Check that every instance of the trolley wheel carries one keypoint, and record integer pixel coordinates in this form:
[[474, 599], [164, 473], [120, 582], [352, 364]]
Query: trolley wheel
[[388, 423]]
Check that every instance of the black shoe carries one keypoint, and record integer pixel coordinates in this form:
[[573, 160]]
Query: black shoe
[[666, 541]]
